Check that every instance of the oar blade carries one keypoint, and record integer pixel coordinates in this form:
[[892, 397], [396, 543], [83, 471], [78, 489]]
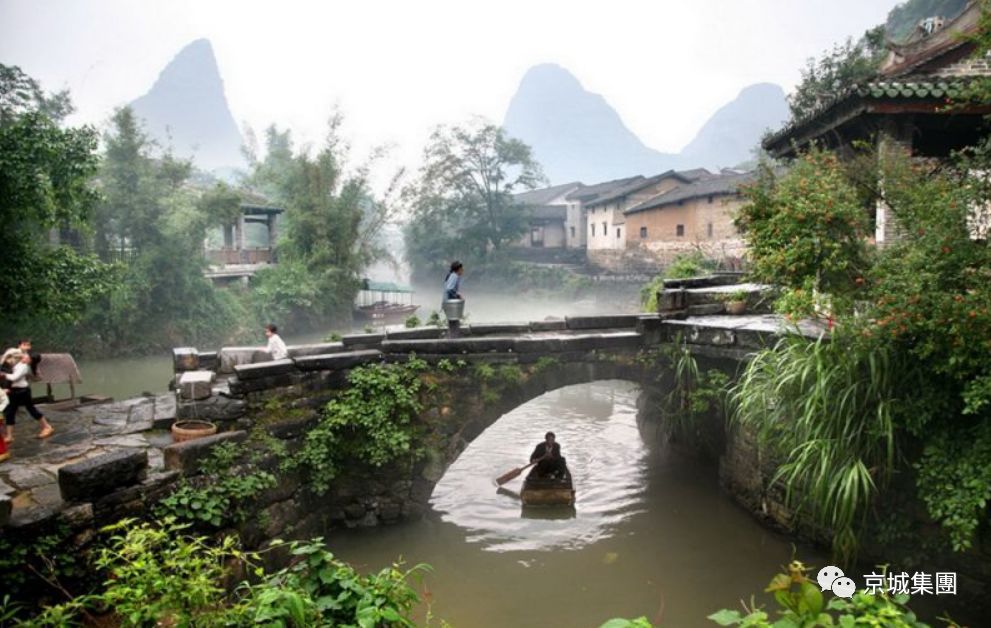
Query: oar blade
[[510, 475]]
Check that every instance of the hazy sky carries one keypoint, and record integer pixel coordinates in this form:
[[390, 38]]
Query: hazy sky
[[396, 68]]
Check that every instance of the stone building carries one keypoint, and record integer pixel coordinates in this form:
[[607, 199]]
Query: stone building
[[696, 216], [910, 106], [605, 216], [548, 216]]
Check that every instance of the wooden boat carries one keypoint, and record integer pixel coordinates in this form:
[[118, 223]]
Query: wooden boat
[[548, 492], [383, 310], [384, 302]]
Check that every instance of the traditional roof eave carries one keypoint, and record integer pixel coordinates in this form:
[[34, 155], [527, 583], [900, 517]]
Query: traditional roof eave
[[637, 186], [875, 98]]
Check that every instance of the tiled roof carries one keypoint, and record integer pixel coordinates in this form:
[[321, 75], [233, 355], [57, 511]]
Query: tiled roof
[[589, 193], [686, 176], [872, 91], [543, 196], [716, 185]]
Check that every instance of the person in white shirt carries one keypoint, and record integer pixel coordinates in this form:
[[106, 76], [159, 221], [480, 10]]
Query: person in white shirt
[[275, 345], [19, 395]]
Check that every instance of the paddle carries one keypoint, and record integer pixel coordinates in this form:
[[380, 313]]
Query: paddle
[[515, 473]]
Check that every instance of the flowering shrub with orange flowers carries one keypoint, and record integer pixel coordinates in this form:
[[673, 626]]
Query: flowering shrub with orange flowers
[[806, 230], [921, 303]]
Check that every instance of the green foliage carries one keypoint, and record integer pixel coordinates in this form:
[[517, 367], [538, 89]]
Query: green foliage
[[320, 590], [45, 183], [219, 497], [543, 363], [461, 203], [686, 265], [286, 292], [837, 70], [156, 573], [165, 576], [829, 411], [955, 481], [809, 225], [694, 393], [25, 562], [330, 232], [649, 292], [412, 322], [371, 422], [800, 604], [639, 622], [435, 320]]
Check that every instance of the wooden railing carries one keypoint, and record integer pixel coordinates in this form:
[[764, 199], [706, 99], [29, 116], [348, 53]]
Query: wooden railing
[[228, 257]]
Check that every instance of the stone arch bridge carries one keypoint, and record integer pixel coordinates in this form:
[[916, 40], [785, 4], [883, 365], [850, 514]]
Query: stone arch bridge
[[127, 464]]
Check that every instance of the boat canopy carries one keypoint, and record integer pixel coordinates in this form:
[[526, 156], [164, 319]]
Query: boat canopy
[[385, 286]]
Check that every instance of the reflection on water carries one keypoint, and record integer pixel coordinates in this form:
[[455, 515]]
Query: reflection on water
[[652, 534], [596, 426]]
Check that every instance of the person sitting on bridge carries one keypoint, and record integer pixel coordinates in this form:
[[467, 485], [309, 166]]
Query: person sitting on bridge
[[276, 346], [550, 462]]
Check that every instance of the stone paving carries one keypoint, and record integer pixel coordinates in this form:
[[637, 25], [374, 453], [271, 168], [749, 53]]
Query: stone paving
[[30, 477]]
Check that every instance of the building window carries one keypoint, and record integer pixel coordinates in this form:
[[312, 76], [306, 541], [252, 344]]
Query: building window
[[572, 233], [593, 229], [643, 233], [679, 230], [709, 229], [617, 232], [605, 229]]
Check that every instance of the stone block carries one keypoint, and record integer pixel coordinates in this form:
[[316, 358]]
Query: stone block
[[216, 408], [322, 348], [98, 476], [554, 325], [6, 507], [618, 321], [264, 369], [706, 309], [338, 361], [672, 300], [229, 357], [186, 456], [185, 359], [491, 329], [420, 333], [196, 384], [363, 340], [209, 361]]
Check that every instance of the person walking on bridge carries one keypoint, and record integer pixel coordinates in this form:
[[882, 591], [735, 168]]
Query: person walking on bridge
[[19, 395]]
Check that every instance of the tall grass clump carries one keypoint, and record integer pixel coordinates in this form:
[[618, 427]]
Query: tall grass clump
[[826, 409]]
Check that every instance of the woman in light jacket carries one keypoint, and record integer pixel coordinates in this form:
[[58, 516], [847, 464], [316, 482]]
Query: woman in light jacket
[[19, 395]]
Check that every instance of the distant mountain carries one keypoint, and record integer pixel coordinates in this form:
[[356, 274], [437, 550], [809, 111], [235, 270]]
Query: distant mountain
[[732, 133], [187, 109], [577, 135]]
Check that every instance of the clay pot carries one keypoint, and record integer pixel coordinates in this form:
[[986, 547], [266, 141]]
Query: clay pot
[[735, 307], [191, 429]]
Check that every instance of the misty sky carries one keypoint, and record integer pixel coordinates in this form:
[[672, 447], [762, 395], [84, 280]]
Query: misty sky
[[397, 68]]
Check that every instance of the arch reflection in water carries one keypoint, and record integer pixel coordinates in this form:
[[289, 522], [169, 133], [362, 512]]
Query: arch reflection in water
[[596, 425]]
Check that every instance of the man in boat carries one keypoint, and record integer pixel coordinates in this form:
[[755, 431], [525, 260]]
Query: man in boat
[[550, 462]]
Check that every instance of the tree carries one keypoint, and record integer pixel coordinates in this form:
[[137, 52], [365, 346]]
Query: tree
[[45, 173], [838, 69], [462, 203], [155, 223], [331, 232]]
